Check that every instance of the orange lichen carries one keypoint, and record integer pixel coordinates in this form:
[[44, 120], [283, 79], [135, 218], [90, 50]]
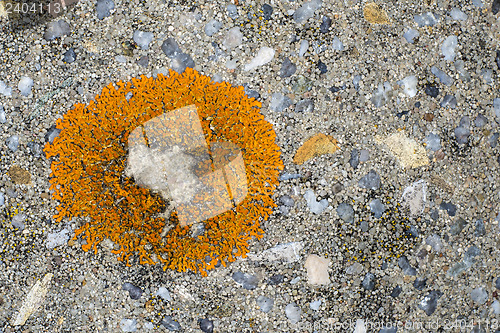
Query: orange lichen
[[90, 155]]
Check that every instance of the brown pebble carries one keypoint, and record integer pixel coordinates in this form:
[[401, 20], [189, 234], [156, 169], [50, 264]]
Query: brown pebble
[[439, 155], [428, 116], [45, 195]]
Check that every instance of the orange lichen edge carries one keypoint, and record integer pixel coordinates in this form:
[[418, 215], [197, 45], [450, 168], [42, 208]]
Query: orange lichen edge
[[89, 158]]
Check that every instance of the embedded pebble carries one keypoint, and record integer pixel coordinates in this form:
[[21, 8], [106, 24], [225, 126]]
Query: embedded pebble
[[279, 102], [479, 295], [493, 139], [426, 19], [462, 135], [212, 27], [276, 279], [381, 95], [263, 56], [247, 281], [337, 45], [410, 35], [104, 8], [232, 11], [496, 108], [448, 47], [13, 143], [409, 85], [206, 325], [133, 291], [370, 181], [56, 29], [293, 313], [287, 68], [429, 303], [364, 155], [69, 56], [354, 160], [306, 11], [325, 24], [405, 266], [304, 45], [315, 305], [419, 283], [345, 212], [377, 208], [487, 75], [457, 14], [369, 281], [182, 61], [267, 11], [442, 76], [466, 263], [18, 221], [480, 229], [317, 270], [143, 39], [3, 118], [170, 47], [164, 294], [322, 67], [56, 239], [128, 325], [265, 303], [396, 291], [25, 85], [170, 324], [305, 105], [432, 90], [448, 100], [2, 199], [435, 242], [433, 142], [316, 207], [450, 208], [463, 73]]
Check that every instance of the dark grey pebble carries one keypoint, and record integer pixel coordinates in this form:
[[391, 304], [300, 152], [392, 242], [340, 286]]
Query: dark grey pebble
[[369, 281], [429, 303], [354, 160], [247, 281], [104, 8], [133, 291], [497, 58], [396, 291], [143, 61], [288, 68], [325, 25], [69, 56], [497, 283], [432, 90], [370, 181], [305, 105], [346, 212], [449, 100], [480, 229], [495, 8], [170, 324], [322, 67], [35, 148], [458, 226], [276, 279], [449, 207], [419, 283], [405, 266], [170, 47], [206, 325], [267, 11], [464, 122]]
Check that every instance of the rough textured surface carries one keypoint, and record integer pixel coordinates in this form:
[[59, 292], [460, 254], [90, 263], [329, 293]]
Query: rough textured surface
[[317, 145]]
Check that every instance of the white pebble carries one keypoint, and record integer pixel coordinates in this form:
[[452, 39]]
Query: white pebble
[[25, 85], [411, 34], [143, 38], [57, 238], [265, 55], [426, 19], [448, 47], [409, 85], [304, 45], [4, 89], [337, 44], [3, 118], [458, 15], [233, 38]]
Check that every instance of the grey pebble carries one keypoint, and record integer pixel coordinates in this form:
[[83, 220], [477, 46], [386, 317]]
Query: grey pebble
[[247, 281], [133, 291], [104, 8], [293, 313], [232, 11], [305, 105], [56, 29], [370, 180], [279, 102], [69, 56], [170, 324], [480, 120], [405, 266], [354, 160], [364, 155], [369, 281], [13, 143], [448, 100], [346, 212], [206, 325], [419, 283], [18, 221], [377, 208], [325, 25], [458, 226], [479, 295], [396, 291], [479, 230], [265, 303], [429, 303], [212, 27], [288, 68], [450, 208], [170, 47]]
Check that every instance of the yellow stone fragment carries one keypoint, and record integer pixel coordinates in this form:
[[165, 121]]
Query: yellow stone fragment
[[409, 153], [375, 14], [317, 145]]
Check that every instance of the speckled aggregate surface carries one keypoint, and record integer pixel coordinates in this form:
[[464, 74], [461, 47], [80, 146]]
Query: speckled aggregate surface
[[462, 179]]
